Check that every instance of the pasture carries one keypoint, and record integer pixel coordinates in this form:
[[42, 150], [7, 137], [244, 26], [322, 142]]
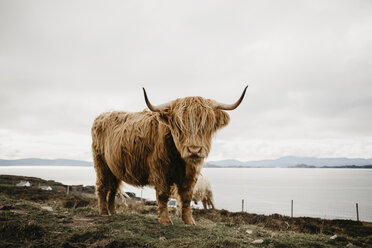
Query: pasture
[[74, 222]]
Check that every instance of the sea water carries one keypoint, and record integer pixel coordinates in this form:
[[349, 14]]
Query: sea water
[[324, 193]]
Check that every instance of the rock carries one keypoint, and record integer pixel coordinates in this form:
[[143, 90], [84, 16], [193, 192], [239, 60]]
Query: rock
[[258, 241], [247, 240], [350, 245], [23, 184], [333, 237], [162, 238], [249, 231], [46, 188], [50, 209]]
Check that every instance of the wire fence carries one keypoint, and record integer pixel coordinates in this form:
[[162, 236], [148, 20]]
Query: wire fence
[[355, 211]]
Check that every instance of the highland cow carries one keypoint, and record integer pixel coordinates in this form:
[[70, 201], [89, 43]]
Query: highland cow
[[162, 147]]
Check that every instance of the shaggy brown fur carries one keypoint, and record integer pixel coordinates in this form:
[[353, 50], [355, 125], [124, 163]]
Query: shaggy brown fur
[[153, 148]]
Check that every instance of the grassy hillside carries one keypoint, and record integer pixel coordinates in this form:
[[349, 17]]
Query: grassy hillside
[[31, 217]]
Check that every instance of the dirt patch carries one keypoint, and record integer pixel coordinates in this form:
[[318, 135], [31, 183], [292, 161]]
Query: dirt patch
[[79, 221], [75, 202], [18, 211]]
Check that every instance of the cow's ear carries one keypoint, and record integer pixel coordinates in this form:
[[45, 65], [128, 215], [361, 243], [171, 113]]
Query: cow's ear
[[222, 118], [164, 116]]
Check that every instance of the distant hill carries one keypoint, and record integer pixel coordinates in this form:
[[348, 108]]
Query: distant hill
[[291, 161], [227, 163], [284, 162], [39, 161]]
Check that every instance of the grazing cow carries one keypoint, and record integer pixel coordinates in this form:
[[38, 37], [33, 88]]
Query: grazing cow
[[202, 192], [162, 147]]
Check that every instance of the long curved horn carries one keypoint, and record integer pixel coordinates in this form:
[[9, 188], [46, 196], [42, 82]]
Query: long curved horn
[[233, 106], [157, 108]]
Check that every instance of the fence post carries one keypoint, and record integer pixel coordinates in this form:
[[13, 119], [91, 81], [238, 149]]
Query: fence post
[[242, 205], [357, 211], [68, 190], [291, 208]]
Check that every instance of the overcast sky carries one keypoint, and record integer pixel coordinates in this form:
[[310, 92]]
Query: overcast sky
[[308, 65]]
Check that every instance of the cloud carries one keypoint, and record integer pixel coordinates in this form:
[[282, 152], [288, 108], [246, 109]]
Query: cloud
[[307, 65]]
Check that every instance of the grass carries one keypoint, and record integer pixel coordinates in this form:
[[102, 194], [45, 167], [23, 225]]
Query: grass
[[74, 222]]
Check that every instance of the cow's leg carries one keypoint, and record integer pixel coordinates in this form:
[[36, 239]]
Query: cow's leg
[[204, 201], [162, 196], [210, 199], [114, 186], [186, 195], [104, 177], [210, 203], [102, 191]]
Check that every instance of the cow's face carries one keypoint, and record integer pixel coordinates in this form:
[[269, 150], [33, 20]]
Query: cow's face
[[192, 122]]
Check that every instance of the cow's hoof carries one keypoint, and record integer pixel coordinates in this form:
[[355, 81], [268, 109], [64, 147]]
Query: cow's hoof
[[104, 213], [166, 221], [190, 221]]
